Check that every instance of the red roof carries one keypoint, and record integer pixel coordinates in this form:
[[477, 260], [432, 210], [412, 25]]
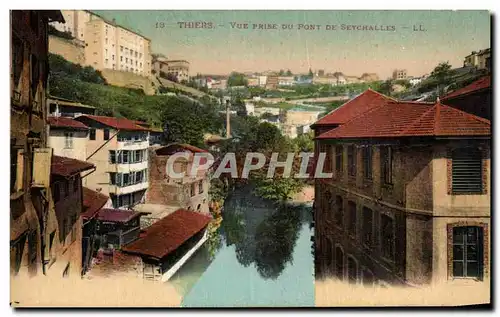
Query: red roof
[[65, 166], [117, 123], [353, 108], [402, 119], [174, 148], [117, 215], [480, 84], [65, 122], [92, 203], [169, 233]]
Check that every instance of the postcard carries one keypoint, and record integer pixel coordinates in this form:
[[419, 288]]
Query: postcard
[[250, 158]]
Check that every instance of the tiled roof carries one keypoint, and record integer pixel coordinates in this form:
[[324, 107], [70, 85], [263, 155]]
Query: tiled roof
[[65, 122], [92, 203], [353, 108], [480, 84], [65, 166], [174, 148], [117, 215], [117, 123], [167, 234], [403, 119]]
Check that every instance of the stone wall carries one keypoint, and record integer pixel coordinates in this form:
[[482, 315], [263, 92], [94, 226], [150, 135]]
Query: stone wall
[[71, 50]]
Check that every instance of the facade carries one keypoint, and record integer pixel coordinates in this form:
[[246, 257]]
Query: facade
[[400, 205], [29, 155], [107, 44], [293, 122], [480, 59], [272, 82], [63, 231], [286, 81], [415, 81], [178, 69], [118, 148], [398, 74], [253, 82], [190, 193], [68, 137], [117, 228], [369, 77]]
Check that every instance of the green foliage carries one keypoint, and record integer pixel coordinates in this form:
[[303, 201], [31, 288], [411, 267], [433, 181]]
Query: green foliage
[[61, 67], [386, 88], [305, 142], [277, 188], [237, 79], [289, 73]]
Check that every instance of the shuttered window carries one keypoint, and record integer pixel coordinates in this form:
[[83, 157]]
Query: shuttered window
[[466, 171]]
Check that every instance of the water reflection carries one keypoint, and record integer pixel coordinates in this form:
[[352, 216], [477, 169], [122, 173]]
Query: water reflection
[[263, 233]]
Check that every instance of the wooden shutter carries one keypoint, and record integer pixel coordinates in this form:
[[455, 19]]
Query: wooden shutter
[[466, 171]]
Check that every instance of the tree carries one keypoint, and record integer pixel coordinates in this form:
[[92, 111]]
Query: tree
[[237, 79], [442, 75], [289, 73], [310, 73], [282, 72], [386, 87]]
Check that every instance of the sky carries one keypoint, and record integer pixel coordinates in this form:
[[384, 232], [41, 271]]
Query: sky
[[392, 43]]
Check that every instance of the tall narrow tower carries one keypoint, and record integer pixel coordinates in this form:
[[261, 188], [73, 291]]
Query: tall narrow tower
[[228, 119]]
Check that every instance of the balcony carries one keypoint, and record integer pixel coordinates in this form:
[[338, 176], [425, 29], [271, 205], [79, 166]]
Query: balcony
[[127, 168], [133, 145], [117, 190]]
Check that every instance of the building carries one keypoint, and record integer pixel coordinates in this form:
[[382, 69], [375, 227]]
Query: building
[[118, 148], [474, 98], [190, 193], [111, 46], [352, 79], [292, 122], [29, 155], [262, 81], [286, 81], [60, 107], [272, 82], [167, 244], [253, 82], [399, 206], [75, 22], [399, 74], [325, 80], [63, 231], [68, 137], [369, 77], [415, 81], [170, 69], [107, 44], [93, 202], [117, 228], [320, 73], [480, 59]]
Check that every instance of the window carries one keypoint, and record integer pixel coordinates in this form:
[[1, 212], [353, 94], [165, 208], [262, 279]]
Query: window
[[112, 156], [121, 48], [193, 189], [113, 57], [351, 160], [466, 171], [138, 156], [339, 263], [92, 134], [106, 42], [352, 218], [367, 227], [126, 60], [352, 270], [17, 58], [68, 140], [200, 187], [125, 158], [106, 61], [121, 58], [338, 159], [339, 211], [468, 252], [106, 51], [126, 179], [35, 73], [387, 235], [386, 162], [106, 134], [112, 178], [367, 162], [57, 192]]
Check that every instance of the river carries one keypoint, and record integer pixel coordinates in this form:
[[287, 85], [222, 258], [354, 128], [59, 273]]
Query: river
[[263, 258]]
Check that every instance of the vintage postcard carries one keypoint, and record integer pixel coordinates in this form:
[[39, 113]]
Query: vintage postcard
[[250, 158]]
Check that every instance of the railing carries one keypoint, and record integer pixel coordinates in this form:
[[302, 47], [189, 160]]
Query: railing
[[129, 236]]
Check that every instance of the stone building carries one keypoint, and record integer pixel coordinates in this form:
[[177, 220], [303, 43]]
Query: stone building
[[409, 199], [30, 158]]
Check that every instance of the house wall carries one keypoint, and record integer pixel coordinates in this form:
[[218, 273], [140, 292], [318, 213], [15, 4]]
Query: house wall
[[26, 118], [94, 41], [57, 141]]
